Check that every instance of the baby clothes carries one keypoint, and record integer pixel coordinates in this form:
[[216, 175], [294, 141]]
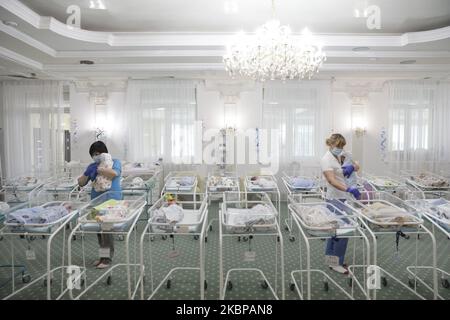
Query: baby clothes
[[102, 183]]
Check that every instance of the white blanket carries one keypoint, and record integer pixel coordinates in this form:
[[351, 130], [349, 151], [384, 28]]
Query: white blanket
[[384, 213], [258, 215]]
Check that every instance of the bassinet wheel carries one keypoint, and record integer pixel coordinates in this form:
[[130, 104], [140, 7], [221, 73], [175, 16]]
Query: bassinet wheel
[[264, 284], [229, 285], [412, 284], [205, 284], [278, 238], [292, 286], [168, 284], [206, 239], [109, 280], [26, 278], [239, 238], [81, 282], [326, 286], [384, 281], [291, 238], [445, 283], [74, 238], [210, 228], [1, 238], [196, 237], [286, 228], [350, 282], [43, 237]]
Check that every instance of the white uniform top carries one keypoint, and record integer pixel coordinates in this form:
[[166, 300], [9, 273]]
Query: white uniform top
[[330, 163]]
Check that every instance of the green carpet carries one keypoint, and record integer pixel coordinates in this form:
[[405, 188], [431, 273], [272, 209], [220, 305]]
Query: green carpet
[[246, 285]]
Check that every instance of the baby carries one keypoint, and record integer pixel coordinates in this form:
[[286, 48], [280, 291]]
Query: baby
[[102, 183], [347, 161]]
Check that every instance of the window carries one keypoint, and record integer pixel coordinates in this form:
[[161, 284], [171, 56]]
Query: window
[[410, 128], [300, 112], [161, 120]]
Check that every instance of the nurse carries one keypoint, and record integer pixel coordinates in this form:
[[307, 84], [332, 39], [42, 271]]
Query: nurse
[[337, 192], [106, 241]]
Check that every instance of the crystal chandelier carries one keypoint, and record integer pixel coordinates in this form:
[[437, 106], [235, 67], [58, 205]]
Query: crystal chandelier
[[273, 54]]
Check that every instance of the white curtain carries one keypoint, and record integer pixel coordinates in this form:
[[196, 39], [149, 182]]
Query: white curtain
[[32, 115], [161, 120], [419, 134], [301, 111]]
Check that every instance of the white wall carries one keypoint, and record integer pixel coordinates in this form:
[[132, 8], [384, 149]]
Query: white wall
[[249, 108]]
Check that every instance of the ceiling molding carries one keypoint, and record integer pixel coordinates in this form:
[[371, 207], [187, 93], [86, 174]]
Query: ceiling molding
[[219, 66], [220, 53], [139, 39], [20, 59], [19, 35]]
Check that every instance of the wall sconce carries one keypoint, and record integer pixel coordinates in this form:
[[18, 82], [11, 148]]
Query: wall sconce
[[359, 120], [100, 100], [230, 110]]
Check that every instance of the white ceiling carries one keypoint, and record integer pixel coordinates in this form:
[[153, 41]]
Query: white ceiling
[[144, 38], [323, 16]]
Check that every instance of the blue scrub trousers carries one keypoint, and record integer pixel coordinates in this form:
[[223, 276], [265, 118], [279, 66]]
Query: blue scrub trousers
[[337, 246]]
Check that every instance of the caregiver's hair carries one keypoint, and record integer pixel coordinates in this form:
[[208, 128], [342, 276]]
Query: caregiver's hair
[[336, 140], [98, 146]]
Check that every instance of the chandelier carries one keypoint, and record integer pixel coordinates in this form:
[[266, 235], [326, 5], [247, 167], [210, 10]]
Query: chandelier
[[272, 53]]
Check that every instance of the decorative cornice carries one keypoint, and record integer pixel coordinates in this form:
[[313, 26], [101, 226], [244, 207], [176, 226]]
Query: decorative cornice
[[206, 39], [20, 59], [100, 86]]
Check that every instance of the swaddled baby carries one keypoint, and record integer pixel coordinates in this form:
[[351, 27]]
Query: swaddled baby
[[102, 183], [351, 181]]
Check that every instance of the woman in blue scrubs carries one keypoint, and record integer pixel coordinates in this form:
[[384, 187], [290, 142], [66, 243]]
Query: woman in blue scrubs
[[106, 241]]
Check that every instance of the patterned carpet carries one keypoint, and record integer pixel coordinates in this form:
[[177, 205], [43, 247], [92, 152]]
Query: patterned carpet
[[246, 285]]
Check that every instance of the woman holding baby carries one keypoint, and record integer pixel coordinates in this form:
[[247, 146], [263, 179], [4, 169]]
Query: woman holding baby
[[105, 174]]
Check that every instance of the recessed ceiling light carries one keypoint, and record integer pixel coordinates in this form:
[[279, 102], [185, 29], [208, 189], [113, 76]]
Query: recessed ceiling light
[[408, 62], [230, 7], [86, 62], [11, 24], [97, 4], [427, 78], [273, 102], [360, 49]]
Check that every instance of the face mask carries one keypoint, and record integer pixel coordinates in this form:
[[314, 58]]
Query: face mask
[[97, 159], [336, 151]]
